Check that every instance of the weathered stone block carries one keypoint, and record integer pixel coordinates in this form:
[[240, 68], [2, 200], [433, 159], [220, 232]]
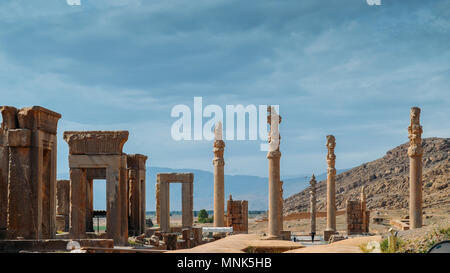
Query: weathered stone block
[[38, 118], [19, 137], [170, 239]]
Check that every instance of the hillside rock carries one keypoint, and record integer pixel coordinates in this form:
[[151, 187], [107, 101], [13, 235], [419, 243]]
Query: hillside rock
[[387, 180]]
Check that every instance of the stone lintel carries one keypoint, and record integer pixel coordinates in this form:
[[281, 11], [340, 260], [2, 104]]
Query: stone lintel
[[19, 137], [96, 142], [96, 173], [95, 161], [175, 177]]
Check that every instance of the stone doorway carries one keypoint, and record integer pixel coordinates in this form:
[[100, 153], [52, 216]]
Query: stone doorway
[[98, 155], [163, 199]]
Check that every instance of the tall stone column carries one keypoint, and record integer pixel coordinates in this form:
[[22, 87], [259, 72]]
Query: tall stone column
[[274, 156], [219, 191], [312, 199], [280, 207], [331, 185], [415, 153]]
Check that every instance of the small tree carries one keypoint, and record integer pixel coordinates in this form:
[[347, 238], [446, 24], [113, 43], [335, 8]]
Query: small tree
[[203, 216]]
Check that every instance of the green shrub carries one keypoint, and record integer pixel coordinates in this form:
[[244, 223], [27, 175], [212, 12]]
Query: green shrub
[[384, 245], [203, 217]]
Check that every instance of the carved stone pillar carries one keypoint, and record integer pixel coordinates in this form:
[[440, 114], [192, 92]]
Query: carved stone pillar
[[219, 191], [415, 153], [331, 185]]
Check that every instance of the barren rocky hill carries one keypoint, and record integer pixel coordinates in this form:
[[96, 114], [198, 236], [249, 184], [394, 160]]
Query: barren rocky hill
[[387, 180]]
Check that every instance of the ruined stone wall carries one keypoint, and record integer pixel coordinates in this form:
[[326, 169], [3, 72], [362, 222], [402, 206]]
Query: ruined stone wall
[[357, 217], [28, 173], [237, 215], [354, 217], [62, 205], [136, 193]]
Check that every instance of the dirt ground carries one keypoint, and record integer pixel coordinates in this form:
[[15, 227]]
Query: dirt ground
[[434, 219]]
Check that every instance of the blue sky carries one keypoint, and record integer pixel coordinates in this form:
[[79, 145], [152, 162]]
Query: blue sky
[[334, 67]]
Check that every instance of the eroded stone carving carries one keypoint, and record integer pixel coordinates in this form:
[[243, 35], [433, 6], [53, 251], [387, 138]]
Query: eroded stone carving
[[96, 142], [415, 134]]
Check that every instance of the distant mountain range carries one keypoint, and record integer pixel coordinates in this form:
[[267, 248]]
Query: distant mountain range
[[241, 187]]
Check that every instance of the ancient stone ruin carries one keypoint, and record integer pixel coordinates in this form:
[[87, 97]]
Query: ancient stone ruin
[[136, 193], [280, 207], [237, 215], [163, 181], [415, 153], [219, 191], [357, 215], [98, 155], [331, 188], [28, 173], [63, 205], [35, 206], [274, 155], [312, 208]]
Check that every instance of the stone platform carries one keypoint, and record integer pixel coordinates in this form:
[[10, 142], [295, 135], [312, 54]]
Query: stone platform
[[346, 246], [242, 243]]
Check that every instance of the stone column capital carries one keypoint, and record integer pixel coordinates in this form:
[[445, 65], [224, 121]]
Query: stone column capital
[[415, 134]]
